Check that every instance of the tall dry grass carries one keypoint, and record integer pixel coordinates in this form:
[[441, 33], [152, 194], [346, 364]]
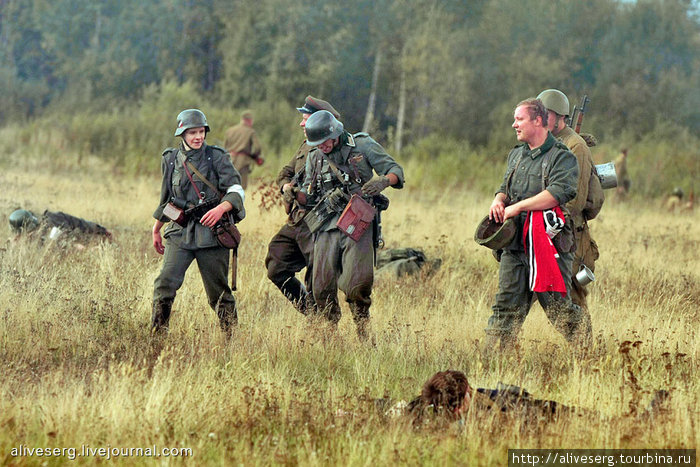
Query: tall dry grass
[[78, 367]]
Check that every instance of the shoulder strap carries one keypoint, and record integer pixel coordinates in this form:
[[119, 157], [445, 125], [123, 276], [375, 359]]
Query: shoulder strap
[[203, 178]]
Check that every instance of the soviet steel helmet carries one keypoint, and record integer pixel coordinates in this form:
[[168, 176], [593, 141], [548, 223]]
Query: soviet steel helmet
[[321, 126], [556, 101], [21, 219], [190, 118], [494, 235]]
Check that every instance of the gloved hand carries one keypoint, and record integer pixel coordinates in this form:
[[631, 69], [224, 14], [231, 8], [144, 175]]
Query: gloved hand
[[289, 195], [375, 185]]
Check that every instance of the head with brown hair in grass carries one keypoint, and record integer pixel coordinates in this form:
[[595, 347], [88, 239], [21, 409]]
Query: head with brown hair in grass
[[446, 392]]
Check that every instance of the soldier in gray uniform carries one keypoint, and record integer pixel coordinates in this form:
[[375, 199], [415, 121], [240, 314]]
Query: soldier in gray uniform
[[56, 225], [292, 248], [195, 241], [542, 173], [342, 164]]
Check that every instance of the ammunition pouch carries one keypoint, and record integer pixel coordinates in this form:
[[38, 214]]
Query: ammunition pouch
[[380, 202], [356, 217], [330, 205], [226, 232], [175, 214]]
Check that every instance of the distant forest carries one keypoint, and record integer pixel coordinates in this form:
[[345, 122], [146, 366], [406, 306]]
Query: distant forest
[[404, 69]]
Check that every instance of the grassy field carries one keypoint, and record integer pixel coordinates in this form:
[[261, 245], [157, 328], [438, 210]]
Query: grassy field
[[78, 369]]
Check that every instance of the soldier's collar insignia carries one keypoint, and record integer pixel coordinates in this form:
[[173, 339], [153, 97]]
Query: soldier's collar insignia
[[351, 141]]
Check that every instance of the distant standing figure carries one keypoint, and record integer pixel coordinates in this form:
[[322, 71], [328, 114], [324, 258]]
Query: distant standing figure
[[623, 177], [55, 225], [243, 145]]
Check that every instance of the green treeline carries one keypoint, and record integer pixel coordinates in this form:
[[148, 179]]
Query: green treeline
[[418, 74]]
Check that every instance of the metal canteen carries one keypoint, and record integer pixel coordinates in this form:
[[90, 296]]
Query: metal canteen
[[607, 175], [584, 276]]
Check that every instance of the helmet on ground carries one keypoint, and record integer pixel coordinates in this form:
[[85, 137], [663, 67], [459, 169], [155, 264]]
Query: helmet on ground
[[21, 219], [322, 126], [190, 118], [556, 101], [494, 235]]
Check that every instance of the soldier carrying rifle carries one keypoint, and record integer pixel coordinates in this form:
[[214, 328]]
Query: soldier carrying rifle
[[200, 188]]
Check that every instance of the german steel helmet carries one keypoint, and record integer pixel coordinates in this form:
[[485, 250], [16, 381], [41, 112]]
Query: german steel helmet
[[555, 100], [190, 118], [321, 126], [21, 219], [494, 235]]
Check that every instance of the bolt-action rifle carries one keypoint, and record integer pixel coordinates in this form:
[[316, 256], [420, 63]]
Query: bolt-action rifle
[[577, 115]]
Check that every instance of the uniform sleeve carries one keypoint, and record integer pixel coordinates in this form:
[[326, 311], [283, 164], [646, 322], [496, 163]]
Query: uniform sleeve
[[164, 192], [229, 182], [584, 161], [381, 161], [563, 177], [287, 173]]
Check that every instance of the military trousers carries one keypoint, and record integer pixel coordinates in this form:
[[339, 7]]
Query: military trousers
[[514, 299], [341, 263], [213, 267], [586, 253], [290, 251]]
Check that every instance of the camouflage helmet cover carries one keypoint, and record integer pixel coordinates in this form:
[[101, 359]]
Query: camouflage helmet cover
[[322, 126], [190, 118], [21, 219], [556, 101]]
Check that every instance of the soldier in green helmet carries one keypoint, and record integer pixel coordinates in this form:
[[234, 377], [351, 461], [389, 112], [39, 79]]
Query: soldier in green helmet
[[292, 248], [341, 164], [56, 225], [195, 173], [541, 176], [589, 193]]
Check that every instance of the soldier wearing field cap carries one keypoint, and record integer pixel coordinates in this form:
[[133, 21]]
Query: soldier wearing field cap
[[243, 145], [589, 193], [292, 248]]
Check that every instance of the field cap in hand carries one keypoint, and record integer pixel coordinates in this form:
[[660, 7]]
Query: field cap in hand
[[494, 235]]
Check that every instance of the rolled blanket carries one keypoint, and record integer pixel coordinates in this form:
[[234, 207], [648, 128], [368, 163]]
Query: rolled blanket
[[539, 229]]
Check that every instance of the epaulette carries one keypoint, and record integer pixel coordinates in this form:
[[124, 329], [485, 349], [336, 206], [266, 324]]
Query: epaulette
[[168, 151], [214, 146], [361, 134], [561, 145]]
